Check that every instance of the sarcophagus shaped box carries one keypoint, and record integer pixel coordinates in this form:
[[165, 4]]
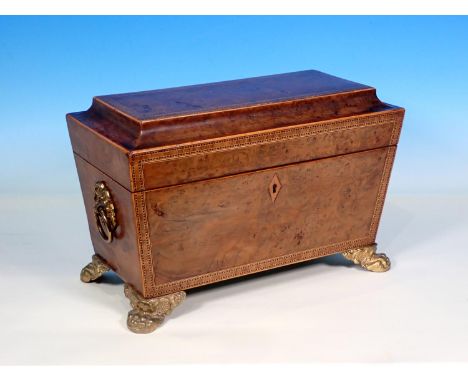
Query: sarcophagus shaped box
[[193, 185]]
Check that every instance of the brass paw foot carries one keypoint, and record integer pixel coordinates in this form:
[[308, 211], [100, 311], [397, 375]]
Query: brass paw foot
[[367, 258], [95, 269], [149, 313]]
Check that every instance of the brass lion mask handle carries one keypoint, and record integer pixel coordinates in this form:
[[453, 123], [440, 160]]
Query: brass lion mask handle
[[104, 212]]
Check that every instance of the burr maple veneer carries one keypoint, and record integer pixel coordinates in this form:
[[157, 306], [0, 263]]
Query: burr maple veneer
[[193, 185]]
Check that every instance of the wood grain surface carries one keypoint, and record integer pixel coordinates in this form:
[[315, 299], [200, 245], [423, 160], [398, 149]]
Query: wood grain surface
[[204, 227], [192, 171]]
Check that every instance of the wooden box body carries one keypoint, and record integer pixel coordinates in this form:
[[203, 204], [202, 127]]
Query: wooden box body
[[216, 181]]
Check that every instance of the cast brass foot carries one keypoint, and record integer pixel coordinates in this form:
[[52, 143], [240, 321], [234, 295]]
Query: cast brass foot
[[95, 269], [149, 313], [367, 258]]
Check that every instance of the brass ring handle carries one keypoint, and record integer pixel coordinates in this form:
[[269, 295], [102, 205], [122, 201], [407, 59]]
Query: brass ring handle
[[103, 225], [104, 212]]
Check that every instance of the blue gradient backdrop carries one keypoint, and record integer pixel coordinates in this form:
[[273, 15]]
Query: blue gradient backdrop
[[53, 65]]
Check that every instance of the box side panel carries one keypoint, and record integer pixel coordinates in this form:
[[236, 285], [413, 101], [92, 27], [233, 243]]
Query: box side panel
[[208, 231], [98, 150], [232, 155], [122, 253]]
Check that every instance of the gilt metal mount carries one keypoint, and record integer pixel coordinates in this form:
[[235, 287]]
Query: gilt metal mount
[[149, 313], [104, 212], [368, 258], [95, 269]]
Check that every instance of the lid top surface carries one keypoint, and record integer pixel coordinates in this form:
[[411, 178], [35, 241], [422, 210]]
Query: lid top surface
[[199, 99]]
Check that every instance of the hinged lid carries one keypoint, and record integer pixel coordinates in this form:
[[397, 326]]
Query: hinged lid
[[190, 113], [173, 136]]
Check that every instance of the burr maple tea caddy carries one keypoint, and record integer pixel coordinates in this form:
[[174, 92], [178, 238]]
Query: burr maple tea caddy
[[193, 185]]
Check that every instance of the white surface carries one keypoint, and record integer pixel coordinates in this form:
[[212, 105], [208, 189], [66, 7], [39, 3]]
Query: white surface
[[324, 310]]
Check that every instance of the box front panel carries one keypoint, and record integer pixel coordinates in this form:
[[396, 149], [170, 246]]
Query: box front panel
[[206, 231]]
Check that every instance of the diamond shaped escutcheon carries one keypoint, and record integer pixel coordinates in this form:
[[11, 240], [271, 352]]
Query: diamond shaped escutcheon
[[274, 188]]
